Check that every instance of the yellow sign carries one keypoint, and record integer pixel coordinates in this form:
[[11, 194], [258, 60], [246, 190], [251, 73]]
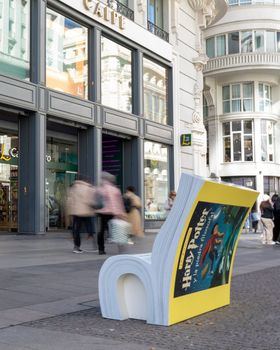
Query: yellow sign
[[106, 13]]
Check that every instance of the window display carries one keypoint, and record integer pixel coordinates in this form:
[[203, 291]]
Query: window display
[[8, 181], [156, 180]]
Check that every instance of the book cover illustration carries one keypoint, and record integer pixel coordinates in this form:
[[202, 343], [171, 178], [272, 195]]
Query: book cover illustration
[[208, 246]]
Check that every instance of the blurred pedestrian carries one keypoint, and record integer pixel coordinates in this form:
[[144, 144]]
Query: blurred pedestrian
[[255, 218], [79, 204], [132, 204], [170, 201], [266, 209], [112, 206], [276, 212]]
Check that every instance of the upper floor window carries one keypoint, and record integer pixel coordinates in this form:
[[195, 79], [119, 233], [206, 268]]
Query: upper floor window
[[155, 12], [122, 6], [238, 141], [265, 99], [116, 75], [238, 98], [156, 19], [66, 55], [155, 91], [267, 140], [15, 38], [243, 42]]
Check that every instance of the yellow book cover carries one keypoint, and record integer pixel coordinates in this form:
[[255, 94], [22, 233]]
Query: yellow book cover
[[204, 258]]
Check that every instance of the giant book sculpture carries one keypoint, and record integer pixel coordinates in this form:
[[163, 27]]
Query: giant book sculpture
[[190, 267]]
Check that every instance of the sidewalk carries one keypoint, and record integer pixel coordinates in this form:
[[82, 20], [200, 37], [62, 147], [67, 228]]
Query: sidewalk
[[49, 299]]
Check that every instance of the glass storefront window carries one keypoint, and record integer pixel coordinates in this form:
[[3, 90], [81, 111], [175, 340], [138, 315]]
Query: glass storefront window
[[155, 91], [246, 181], [62, 168], [15, 38], [66, 56], [156, 178], [116, 76], [238, 141], [271, 185], [8, 181]]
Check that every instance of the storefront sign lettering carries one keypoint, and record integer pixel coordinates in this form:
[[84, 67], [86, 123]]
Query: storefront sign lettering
[[105, 12], [13, 153]]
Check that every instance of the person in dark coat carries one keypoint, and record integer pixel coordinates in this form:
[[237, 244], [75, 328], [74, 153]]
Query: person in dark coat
[[276, 212]]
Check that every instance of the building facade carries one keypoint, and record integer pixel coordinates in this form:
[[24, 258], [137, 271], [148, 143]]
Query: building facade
[[241, 95], [88, 86]]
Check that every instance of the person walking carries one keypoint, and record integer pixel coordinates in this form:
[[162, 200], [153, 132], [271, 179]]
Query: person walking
[[112, 206], [255, 218], [79, 204], [132, 204], [276, 212], [267, 220], [170, 201]]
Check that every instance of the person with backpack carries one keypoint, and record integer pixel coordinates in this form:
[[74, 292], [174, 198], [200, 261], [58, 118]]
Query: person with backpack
[[132, 205]]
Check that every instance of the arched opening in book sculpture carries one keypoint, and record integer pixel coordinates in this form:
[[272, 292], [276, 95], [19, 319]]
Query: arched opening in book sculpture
[[190, 267]]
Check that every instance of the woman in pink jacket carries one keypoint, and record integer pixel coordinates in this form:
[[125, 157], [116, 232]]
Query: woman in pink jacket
[[112, 206]]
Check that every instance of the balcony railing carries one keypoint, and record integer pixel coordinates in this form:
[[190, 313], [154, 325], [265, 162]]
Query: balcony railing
[[158, 31], [253, 2], [122, 9], [270, 59]]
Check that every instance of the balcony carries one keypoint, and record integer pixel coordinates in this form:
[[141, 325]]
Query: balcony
[[254, 60], [158, 31], [253, 2], [122, 9]]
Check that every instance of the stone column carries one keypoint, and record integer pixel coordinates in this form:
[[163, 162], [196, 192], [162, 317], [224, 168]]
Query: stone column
[[32, 159]]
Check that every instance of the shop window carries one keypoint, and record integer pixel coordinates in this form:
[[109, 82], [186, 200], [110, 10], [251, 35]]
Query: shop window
[[238, 141], [265, 98], [238, 98], [271, 185], [116, 76], [62, 168], [8, 181], [66, 58], [156, 178], [15, 38], [267, 141], [155, 91], [245, 181]]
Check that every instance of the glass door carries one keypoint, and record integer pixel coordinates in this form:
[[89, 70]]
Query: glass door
[[62, 168]]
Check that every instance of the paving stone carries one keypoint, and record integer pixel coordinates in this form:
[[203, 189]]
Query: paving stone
[[250, 322]]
